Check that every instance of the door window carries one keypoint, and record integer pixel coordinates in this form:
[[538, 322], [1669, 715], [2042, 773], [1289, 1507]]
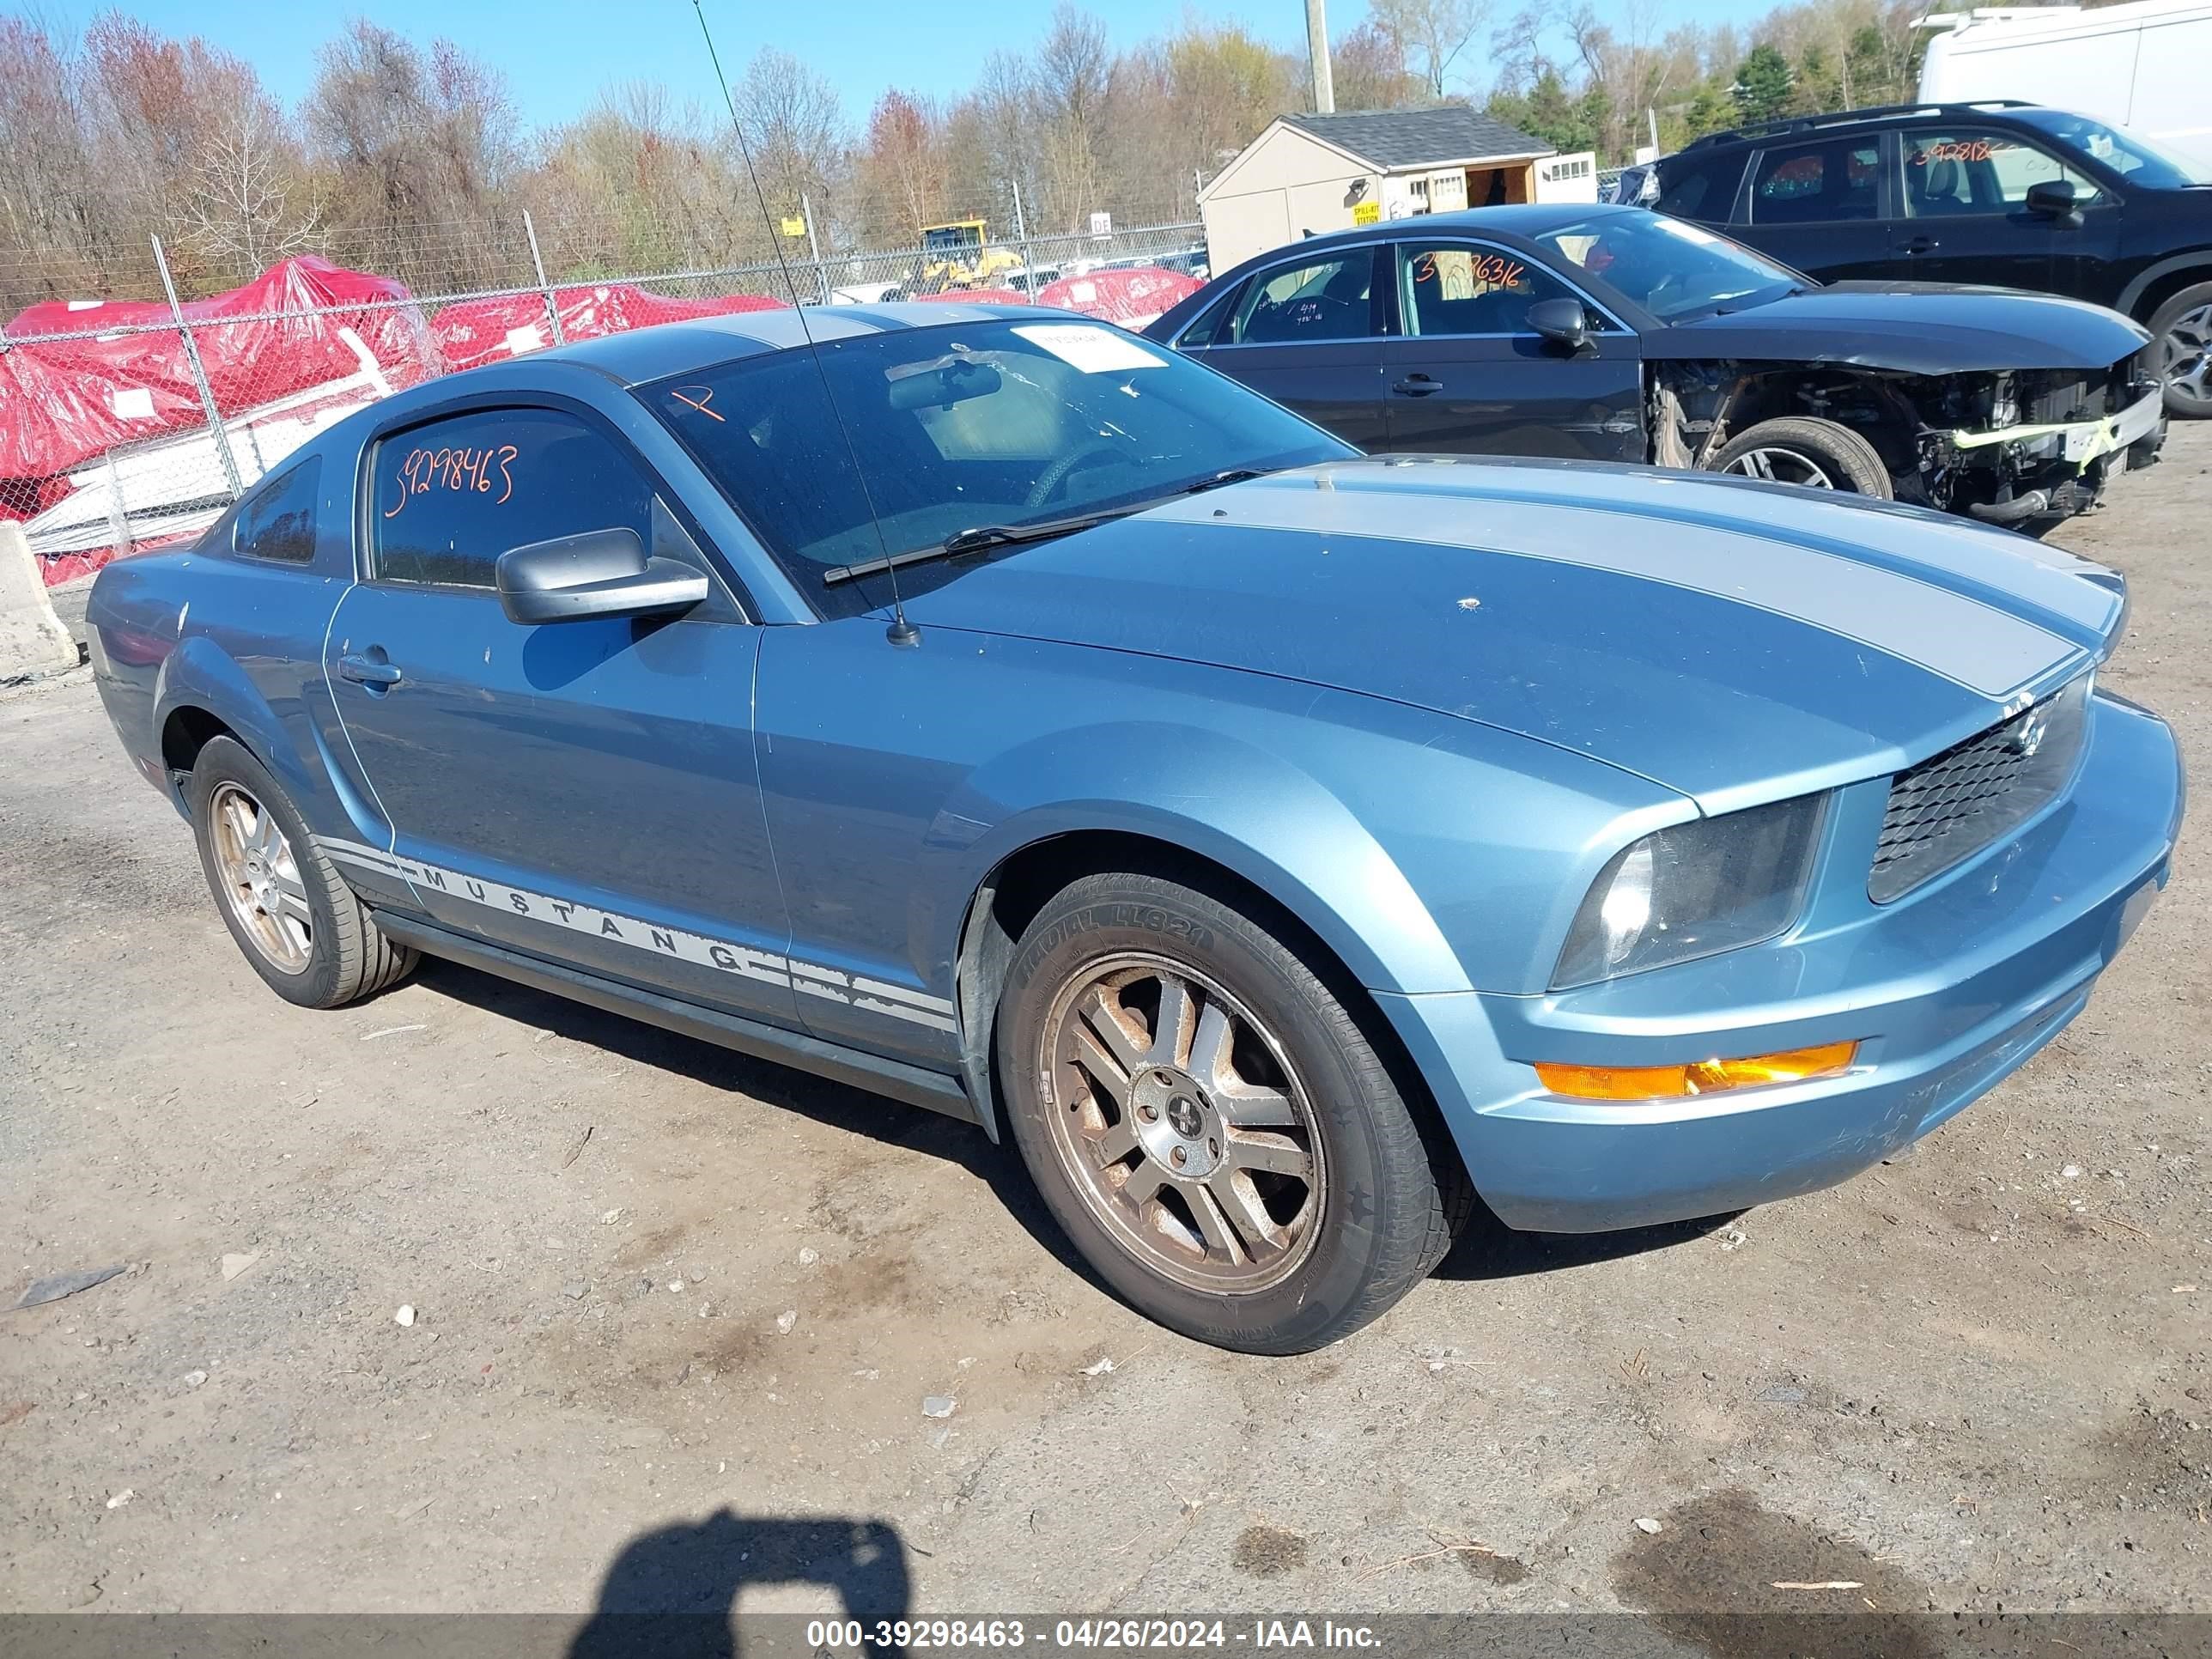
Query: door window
[[1954, 171], [1815, 184], [1462, 289], [451, 496], [1319, 300]]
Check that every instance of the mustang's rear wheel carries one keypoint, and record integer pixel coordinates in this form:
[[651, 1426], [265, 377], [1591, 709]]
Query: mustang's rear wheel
[[293, 915], [2181, 333], [1211, 1126], [1814, 453]]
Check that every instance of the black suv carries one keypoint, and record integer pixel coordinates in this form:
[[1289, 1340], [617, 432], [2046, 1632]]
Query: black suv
[[2000, 192]]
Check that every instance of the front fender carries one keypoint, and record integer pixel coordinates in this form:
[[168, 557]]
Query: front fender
[[1430, 853], [1251, 811]]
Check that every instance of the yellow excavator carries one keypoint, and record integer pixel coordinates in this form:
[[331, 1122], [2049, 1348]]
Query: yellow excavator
[[953, 256]]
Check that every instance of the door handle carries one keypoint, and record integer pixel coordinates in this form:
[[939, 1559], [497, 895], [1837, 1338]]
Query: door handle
[[1417, 386], [371, 672], [1917, 245]]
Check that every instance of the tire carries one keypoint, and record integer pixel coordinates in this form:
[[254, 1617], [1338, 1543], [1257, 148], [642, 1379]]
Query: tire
[[2181, 333], [1309, 1257], [1799, 444], [294, 917]]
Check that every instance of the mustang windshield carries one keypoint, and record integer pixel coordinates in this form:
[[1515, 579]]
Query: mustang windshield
[[1675, 269], [983, 426]]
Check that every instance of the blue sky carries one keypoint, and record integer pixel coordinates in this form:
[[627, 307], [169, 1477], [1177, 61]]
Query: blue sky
[[557, 54]]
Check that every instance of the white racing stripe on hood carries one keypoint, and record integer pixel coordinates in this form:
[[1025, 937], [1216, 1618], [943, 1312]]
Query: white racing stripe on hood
[[1977, 645]]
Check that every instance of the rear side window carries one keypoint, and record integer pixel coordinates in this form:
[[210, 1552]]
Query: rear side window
[[1814, 183], [278, 523], [1690, 188], [1317, 299], [451, 496]]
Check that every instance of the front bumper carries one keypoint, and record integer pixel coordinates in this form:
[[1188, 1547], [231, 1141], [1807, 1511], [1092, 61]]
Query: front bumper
[[2062, 467], [1947, 991]]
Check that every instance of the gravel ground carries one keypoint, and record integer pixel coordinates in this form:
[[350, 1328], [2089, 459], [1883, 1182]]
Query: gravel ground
[[676, 1313]]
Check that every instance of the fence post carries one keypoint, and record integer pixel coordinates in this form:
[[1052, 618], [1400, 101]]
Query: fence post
[[552, 302], [1021, 233], [821, 276], [199, 375]]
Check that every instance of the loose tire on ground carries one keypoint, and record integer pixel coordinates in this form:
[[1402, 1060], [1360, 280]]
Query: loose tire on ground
[[2181, 335], [264, 875], [1801, 449], [1255, 1070]]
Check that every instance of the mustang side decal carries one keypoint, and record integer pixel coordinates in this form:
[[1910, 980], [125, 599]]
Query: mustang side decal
[[807, 978]]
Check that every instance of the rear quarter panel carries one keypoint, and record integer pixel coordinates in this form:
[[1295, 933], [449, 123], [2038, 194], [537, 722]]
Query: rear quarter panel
[[241, 639]]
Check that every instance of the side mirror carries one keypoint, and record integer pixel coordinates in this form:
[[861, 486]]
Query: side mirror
[[600, 573], [1561, 322], [2053, 199]]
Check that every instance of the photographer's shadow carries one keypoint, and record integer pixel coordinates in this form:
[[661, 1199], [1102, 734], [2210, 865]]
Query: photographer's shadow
[[671, 1592]]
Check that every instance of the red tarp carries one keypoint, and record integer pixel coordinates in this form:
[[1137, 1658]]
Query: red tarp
[[64, 402], [978, 296], [1131, 298], [476, 331]]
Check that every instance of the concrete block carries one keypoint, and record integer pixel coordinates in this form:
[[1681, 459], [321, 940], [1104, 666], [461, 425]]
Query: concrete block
[[33, 641]]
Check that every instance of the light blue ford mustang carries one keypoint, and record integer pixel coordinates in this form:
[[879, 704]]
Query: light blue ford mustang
[[990, 710]]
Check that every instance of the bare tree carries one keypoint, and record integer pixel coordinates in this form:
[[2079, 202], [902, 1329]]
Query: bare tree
[[244, 205], [1069, 99], [423, 149], [1430, 33]]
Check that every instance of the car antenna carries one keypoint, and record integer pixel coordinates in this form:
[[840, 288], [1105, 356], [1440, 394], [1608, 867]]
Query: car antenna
[[901, 632]]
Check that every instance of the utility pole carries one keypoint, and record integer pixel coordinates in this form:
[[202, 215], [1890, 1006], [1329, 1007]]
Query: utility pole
[[1324, 88]]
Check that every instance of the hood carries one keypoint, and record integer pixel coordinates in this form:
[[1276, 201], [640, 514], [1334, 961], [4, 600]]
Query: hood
[[1734, 640], [1919, 328]]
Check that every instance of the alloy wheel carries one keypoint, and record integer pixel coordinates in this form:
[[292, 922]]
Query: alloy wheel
[[1789, 467], [1182, 1122], [261, 879], [2185, 352]]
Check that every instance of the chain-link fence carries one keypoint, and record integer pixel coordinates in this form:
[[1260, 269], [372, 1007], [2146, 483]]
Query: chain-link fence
[[130, 424]]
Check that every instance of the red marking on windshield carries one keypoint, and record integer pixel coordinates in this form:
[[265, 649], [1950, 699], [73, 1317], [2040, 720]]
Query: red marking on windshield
[[706, 396]]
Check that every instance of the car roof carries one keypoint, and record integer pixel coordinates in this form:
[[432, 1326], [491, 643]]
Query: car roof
[[1791, 126], [1518, 219], [650, 354]]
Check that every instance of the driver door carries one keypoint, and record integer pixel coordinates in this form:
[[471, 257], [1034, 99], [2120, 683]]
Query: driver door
[[1467, 375], [582, 791]]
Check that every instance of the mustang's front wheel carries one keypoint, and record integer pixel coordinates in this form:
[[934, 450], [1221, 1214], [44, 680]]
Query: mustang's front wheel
[[1216, 1133]]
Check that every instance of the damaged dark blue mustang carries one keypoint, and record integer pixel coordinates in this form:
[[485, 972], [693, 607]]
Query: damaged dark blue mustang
[[996, 711]]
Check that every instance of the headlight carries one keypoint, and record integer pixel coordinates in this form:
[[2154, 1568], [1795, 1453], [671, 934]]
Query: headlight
[[1709, 886]]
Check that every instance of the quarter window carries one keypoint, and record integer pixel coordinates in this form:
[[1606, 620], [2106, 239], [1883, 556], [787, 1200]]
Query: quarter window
[[1323, 300], [450, 497], [1965, 170], [279, 522], [1812, 184], [1699, 189], [1473, 289]]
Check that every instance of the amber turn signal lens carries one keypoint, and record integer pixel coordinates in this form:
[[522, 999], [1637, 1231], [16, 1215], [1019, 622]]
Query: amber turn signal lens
[[1701, 1076]]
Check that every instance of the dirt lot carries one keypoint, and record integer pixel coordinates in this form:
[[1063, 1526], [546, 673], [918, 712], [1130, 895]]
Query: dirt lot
[[669, 1298]]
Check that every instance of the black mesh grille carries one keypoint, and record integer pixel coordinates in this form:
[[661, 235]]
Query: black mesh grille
[[1952, 805]]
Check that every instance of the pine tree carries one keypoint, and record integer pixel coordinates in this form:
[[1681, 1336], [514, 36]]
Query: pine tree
[[1763, 84]]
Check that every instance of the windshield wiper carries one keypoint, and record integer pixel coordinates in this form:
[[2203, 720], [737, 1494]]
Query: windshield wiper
[[975, 539], [978, 537], [1234, 474]]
